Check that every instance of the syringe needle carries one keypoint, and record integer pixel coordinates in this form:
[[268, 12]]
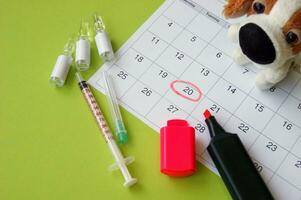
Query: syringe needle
[[120, 130]]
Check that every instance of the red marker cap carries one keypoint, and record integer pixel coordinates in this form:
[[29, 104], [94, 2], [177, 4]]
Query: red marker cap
[[177, 141]]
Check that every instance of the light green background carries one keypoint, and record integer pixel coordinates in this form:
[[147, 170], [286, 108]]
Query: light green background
[[50, 147]]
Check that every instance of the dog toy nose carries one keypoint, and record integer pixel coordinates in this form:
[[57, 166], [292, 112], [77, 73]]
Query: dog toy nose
[[256, 44]]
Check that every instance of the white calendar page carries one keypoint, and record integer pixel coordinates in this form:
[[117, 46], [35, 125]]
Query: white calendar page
[[179, 63]]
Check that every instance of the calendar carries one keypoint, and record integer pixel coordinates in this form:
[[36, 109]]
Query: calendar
[[179, 63]]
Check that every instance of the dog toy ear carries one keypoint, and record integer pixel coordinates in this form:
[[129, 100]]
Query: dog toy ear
[[237, 8]]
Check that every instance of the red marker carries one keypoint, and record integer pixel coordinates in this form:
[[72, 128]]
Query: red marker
[[234, 164]]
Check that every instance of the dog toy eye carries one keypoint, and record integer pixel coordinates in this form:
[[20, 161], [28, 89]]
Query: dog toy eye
[[258, 7], [292, 37]]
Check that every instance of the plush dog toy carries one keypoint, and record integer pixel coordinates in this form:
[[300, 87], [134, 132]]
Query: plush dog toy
[[270, 36]]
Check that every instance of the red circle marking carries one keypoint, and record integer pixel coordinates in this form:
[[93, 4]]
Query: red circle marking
[[172, 86]]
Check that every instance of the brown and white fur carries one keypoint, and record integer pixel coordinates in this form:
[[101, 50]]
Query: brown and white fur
[[264, 36]]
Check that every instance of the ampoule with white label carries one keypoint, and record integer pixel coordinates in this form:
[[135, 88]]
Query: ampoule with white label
[[62, 65], [102, 40], [82, 53]]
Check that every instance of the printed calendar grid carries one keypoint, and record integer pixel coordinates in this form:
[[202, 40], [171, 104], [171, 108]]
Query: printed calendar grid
[[194, 60], [169, 44], [288, 150], [209, 43], [220, 77]]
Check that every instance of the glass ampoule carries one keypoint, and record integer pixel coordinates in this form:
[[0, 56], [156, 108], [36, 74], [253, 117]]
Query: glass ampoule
[[102, 40], [83, 50], [62, 65]]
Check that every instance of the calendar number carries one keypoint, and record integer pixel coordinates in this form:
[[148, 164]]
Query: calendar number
[[215, 108], [146, 91], [180, 56], [243, 127], [200, 128], [219, 55], [245, 71], [259, 108], [139, 58], [170, 24], [288, 126], [258, 167], [122, 75], [188, 90], [205, 71], [172, 108], [231, 89], [272, 89], [299, 106], [298, 164], [272, 146], [163, 74], [193, 39], [155, 40]]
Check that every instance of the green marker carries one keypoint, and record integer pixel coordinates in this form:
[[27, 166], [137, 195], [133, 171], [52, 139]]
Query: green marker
[[120, 130]]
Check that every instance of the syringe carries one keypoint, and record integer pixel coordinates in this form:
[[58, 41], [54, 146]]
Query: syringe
[[121, 162], [120, 131]]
